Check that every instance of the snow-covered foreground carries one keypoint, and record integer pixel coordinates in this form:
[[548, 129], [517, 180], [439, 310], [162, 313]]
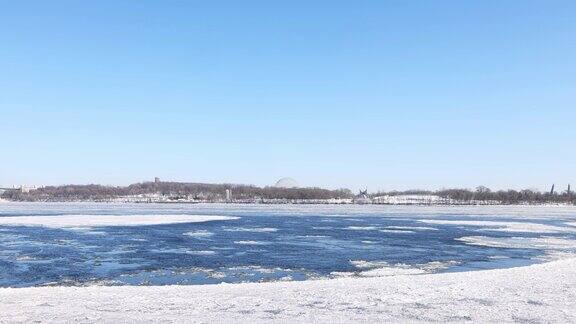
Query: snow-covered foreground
[[106, 220], [543, 292]]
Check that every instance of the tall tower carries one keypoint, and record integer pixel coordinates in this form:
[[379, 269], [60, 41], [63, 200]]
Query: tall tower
[[228, 195], [156, 180]]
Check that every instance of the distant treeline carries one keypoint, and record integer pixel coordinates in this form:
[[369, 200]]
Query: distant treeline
[[217, 192], [526, 196], [199, 191]]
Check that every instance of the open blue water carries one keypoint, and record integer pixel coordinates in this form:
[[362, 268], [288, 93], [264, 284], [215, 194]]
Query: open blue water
[[266, 243]]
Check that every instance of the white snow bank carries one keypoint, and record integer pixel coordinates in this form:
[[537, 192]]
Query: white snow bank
[[537, 293], [504, 226], [106, 220]]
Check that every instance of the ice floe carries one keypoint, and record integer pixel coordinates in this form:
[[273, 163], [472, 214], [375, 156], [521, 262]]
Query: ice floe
[[411, 228], [204, 252], [249, 242], [545, 242], [199, 233], [384, 269], [524, 227], [362, 228], [396, 231], [251, 229]]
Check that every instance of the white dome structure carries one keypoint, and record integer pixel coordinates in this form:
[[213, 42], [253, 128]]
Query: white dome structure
[[286, 183]]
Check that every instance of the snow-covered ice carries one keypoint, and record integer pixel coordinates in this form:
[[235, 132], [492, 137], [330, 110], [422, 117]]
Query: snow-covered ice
[[375, 291], [545, 242], [80, 221], [537, 293], [385, 269]]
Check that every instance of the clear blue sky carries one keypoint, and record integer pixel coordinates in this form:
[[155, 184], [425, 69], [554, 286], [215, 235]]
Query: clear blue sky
[[383, 94]]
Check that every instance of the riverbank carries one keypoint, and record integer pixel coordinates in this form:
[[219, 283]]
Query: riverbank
[[536, 293]]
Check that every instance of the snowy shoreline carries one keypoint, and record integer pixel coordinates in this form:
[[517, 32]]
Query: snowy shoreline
[[542, 292]]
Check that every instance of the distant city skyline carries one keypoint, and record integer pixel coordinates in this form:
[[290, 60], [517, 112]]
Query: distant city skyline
[[370, 94]]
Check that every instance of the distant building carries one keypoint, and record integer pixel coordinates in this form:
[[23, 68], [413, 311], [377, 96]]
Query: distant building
[[228, 195], [25, 189], [156, 180], [286, 183]]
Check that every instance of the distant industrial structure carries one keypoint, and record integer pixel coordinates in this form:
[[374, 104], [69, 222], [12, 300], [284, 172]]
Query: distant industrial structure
[[362, 197], [568, 191]]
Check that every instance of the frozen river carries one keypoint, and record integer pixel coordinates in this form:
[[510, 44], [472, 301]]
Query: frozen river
[[148, 244]]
